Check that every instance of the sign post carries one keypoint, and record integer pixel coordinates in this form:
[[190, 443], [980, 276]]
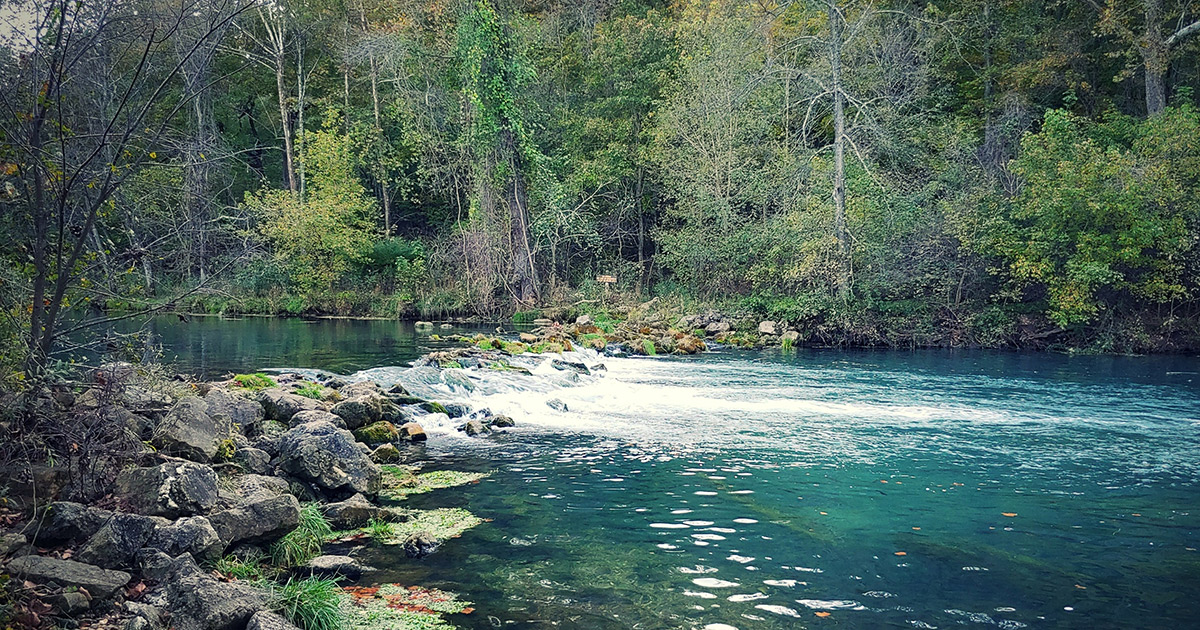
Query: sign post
[[607, 281]]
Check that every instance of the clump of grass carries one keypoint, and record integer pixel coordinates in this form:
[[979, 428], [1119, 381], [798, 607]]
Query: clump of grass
[[254, 382], [648, 347], [378, 530], [787, 344], [303, 543], [311, 390], [312, 603], [250, 567]]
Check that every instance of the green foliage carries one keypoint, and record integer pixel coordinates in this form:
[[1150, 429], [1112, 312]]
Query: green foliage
[[303, 543], [311, 390], [1103, 219], [648, 347], [525, 317], [378, 530], [254, 382], [312, 603], [248, 567]]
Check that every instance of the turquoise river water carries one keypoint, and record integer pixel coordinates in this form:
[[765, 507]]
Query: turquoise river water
[[816, 489]]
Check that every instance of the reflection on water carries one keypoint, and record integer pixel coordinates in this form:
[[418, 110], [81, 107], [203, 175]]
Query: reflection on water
[[821, 489]]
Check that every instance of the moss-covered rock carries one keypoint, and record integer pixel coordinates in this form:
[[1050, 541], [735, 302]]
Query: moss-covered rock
[[433, 407], [377, 433]]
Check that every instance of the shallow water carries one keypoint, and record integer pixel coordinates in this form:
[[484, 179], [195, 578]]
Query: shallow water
[[817, 489]]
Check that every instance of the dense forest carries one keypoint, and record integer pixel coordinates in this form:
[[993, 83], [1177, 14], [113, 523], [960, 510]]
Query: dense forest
[[953, 172]]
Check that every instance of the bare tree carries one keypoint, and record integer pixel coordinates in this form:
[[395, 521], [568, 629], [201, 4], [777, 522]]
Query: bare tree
[[71, 146]]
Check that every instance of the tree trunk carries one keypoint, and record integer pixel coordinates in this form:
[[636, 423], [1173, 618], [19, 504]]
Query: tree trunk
[[289, 169], [524, 277], [839, 153], [1154, 57]]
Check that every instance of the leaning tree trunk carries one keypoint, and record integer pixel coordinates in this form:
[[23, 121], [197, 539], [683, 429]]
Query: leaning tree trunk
[[524, 278], [1154, 58], [839, 153]]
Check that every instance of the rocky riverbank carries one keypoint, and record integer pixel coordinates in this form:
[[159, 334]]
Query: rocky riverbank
[[218, 514]]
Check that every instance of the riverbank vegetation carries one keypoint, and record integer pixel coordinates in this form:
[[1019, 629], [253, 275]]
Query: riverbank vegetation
[[955, 172]]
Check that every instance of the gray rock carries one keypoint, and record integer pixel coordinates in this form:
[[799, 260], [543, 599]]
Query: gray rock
[[584, 320], [385, 454], [573, 366], [171, 489], [361, 388], [64, 521], [115, 545], [243, 413], [501, 422], [413, 432], [330, 457], [252, 460], [145, 401], [456, 410], [266, 620], [279, 404], [155, 565], [717, 328], [194, 535], [420, 544], [359, 411], [70, 602], [473, 427], [188, 431], [391, 412], [315, 415], [264, 517], [101, 583], [150, 616], [334, 566], [767, 328], [791, 335], [11, 543], [354, 512], [557, 405], [199, 602]]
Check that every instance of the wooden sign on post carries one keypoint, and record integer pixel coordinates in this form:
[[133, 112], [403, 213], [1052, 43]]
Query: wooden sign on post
[[606, 279]]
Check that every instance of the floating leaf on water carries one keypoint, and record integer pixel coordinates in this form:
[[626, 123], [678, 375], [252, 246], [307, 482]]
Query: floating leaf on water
[[1008, 514], [822, 613], [901, 553]]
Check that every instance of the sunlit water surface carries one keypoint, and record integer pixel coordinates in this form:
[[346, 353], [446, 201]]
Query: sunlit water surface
[[816, 489]]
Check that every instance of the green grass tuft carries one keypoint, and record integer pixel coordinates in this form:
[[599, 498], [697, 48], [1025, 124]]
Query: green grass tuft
[[311, 390], [312, 603], [303, 543], [250, 567], [254, 382], [379, 530], [648, 347]]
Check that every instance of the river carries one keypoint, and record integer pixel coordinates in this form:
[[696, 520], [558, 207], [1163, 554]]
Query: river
[[820, 488]]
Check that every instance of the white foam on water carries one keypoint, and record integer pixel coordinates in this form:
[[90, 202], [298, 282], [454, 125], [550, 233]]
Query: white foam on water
[[830, 604], [669, 525], [714, 583], [747, 597], [778, 610]]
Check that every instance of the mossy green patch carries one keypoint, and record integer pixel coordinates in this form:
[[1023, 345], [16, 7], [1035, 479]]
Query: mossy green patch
[[254, 382], [394, 607], [515, 347], [595, 341], [547, 346], [377, 433], [433, 407], [648, 347], [441, 523], [400, 482]]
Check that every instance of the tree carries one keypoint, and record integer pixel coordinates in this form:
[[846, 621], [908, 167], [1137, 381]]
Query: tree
[[1155, 41], [81, 111]]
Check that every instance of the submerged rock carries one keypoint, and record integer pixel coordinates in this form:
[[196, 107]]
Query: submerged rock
[[501, 422], [473, 427], [355, 512], [385, 454], [420, 544]]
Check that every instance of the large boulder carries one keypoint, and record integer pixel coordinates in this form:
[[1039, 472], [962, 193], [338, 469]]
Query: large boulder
[[115, 544], [172, 489], [328, 456], [717, 328], [359, 411], [63, 521], [189, 431], [263, 517], [767, 328], [243, 413], [100, 583], [252, 460], [199, 601], [354, 512], [279, 404], [361, 388], [193, 535]]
